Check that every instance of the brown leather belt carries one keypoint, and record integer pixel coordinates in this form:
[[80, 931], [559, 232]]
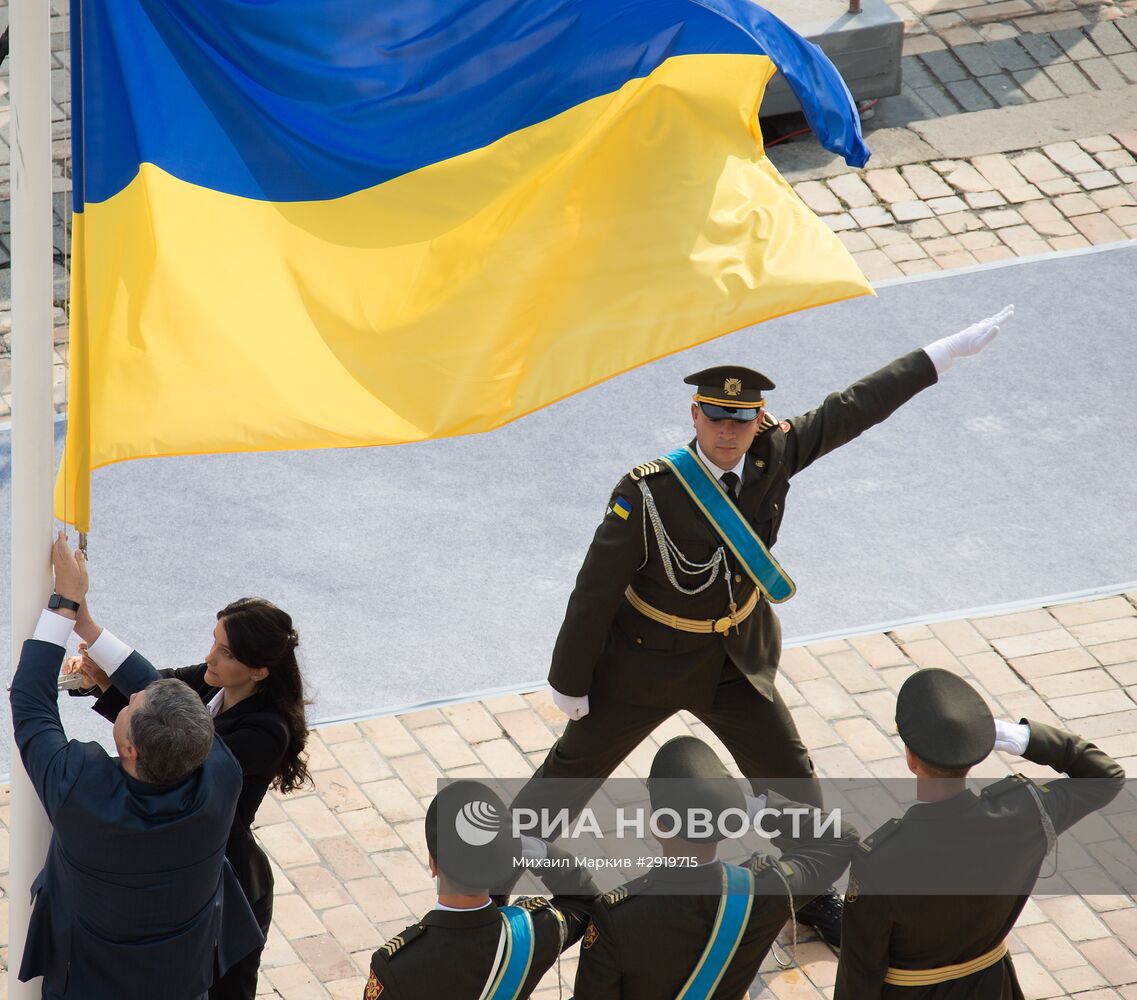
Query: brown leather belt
[[704, 625]]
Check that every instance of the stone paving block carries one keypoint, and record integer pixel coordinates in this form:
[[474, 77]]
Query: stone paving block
[[380, 902], [311, 815], [1075, 242], [924, 265], [878, 650], [991, 670], [889, 185], [294, 918], [852, 190], [1042, 48], [969, 95], [286, 845], [1125, 217], [1083, 981], [1069, 79], [297, 982], [319, 756], [871, 216], [977, 59], [338, 732], [928, 229], [855, 241], [818, 197], [947, 206], [1096, 180], [403, 870], [1087, 612], [814, 730], [319, 887], [278, 952], [984, 199], [1018, 623], [1079, 682], [875, 265], [1108, 39], [1001, 218], [338, 792], [1018, 646], [389, 736], [997, 32], [865, 740], [527, 730], [1060, 661], [1104, 74], [914, 72], [1035, 167], [828, 697], [840, 223], [325, 957], [1098, 228], [1112, 959], [852, 672], [927, 183], [960, 637], [1126, 65], [1097, 703], [964, 177], [1114, 724], [998, 169], [1061, 186], [1074, 918], [344, 856], [960, 35], [1075, 43], [394, 800], [943, 246], [1010, 55], [1112, 159], [1071, 157], [360, 760], [503, 759], [419, 774], [938, 100], [910, 211], [799, 664], [1004, 90], [1105, 631], [1022, 239], [446, 746]]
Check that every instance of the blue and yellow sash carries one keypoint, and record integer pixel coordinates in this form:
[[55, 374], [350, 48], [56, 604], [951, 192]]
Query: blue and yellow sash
[[731, 526], [730, 924], [518, 954]]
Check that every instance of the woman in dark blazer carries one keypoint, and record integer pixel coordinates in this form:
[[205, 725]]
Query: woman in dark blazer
[[251, 683]]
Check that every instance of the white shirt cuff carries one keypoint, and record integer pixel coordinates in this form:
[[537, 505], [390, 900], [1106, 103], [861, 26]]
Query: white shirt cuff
[[53, 628], [940, 355], [109, 651]]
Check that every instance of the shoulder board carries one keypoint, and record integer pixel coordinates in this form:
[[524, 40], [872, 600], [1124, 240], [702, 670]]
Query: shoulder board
[[647, 469], [1007, 784], [400, 940], [767, 422], [874, 840], [532, 903], [616, 896]]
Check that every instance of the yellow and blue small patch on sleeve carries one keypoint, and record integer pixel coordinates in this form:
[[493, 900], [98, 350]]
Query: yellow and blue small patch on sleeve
[[621, 508]]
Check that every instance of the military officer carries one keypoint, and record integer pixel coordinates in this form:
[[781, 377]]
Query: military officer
[[672, 608], [703, 931], [467, 948], [933, 895]]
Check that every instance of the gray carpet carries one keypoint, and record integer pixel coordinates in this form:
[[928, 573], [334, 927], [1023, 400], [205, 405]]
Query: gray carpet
[[442, 569]]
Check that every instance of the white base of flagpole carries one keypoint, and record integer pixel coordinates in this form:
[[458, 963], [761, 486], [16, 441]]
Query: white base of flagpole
[[32, 421]]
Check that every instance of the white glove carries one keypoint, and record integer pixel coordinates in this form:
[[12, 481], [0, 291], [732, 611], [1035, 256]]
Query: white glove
[[967, 342], [534, 849], [754, 805], [1012, 737], [574, 708]]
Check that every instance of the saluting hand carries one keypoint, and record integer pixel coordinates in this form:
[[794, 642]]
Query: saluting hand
[[967, 342]]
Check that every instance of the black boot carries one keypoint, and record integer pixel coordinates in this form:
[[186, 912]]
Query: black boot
[[823, 914]]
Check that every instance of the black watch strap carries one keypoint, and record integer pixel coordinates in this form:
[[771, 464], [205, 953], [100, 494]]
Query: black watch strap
[[57, 601]]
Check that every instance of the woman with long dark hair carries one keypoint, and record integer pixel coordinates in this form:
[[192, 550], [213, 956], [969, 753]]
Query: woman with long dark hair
[[251, 683]]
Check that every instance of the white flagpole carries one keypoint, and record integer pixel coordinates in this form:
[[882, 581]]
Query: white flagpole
[[32, 419]]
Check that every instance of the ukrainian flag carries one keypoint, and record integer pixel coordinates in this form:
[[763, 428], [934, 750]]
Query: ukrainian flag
[[332, 223]]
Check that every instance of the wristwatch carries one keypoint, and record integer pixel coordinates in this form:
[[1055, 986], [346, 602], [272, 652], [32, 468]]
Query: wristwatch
[[57, 601]]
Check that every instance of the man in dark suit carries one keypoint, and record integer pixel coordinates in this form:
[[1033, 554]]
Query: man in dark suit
[[467, 943], [669, 613], [671, 929], [934, 894], [135, 899]]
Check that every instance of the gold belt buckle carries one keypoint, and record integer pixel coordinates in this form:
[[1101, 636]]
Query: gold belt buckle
[[723, 625]]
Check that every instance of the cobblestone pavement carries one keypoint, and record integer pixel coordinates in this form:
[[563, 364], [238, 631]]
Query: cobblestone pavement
[[349, 854], [350, 860]]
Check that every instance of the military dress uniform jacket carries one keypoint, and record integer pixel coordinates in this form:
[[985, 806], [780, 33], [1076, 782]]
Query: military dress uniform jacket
[[605, 641], [449, 953], [969, 843], [648, 936], [135, 899]]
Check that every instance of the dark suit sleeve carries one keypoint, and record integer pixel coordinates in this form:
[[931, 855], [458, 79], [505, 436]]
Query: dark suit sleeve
[[866, 930], [816, 857], [573, 891], [53, 763], [598, 972], [1094, 778], [845, 415], [616, 552], [112, 701]]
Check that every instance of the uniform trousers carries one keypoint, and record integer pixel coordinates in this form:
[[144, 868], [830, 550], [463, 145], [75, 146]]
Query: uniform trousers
[[759, 733]]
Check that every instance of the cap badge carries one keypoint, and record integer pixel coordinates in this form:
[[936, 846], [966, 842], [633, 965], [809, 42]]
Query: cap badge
[[732, 386]]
